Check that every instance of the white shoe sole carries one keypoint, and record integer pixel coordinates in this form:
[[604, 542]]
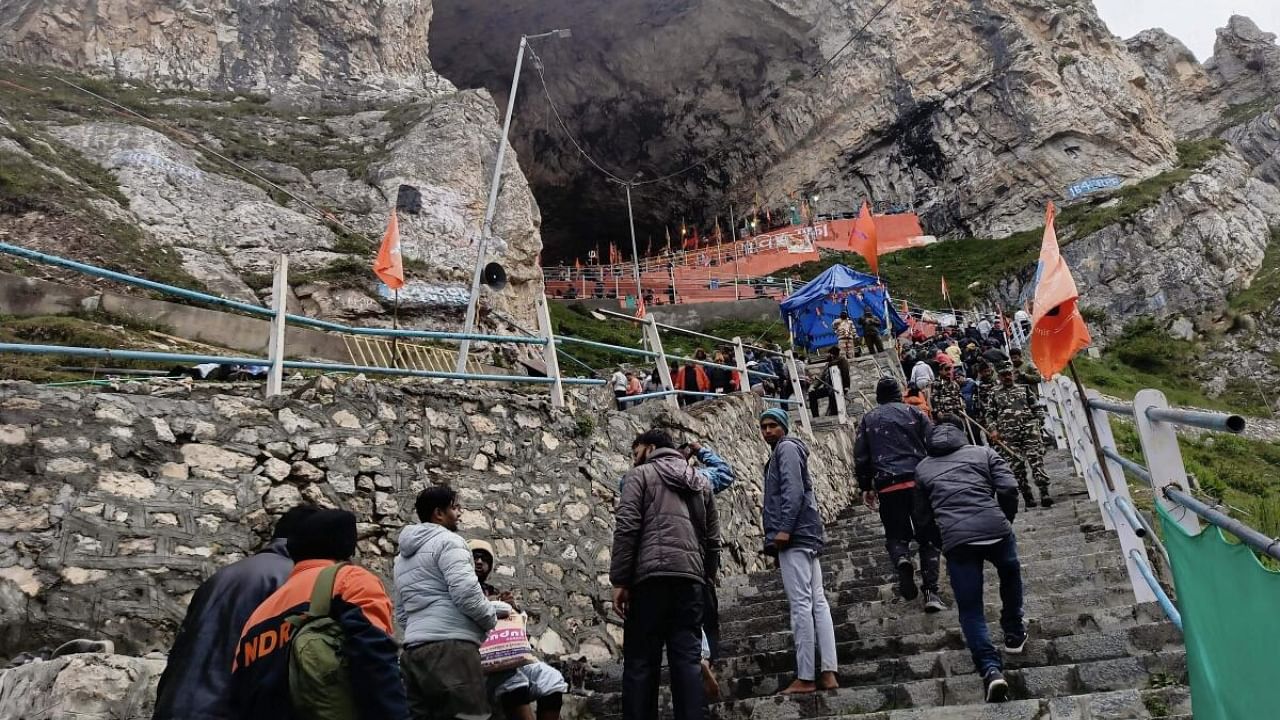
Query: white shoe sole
[[998, 691]]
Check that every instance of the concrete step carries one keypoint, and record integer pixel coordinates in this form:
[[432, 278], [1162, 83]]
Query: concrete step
[[853, 580], [1114, 705], [1032, 683]]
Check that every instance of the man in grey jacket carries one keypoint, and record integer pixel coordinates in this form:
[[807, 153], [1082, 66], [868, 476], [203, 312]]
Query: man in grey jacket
[[793, 533], [444, 613], [972, 496], [665, 528]]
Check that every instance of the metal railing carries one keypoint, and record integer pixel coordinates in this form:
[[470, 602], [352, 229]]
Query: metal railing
[[1103, 468], [276, 363]]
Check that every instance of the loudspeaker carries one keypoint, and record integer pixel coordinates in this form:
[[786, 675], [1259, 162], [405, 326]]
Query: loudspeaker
[[494, 276]]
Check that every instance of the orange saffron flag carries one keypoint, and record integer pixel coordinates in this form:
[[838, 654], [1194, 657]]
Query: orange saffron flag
[[388, 266], [864, 241], [640, 312], [1058, 331]]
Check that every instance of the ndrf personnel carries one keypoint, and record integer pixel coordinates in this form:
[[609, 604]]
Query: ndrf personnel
[[1015, 417], [946, 394], [846, 336]]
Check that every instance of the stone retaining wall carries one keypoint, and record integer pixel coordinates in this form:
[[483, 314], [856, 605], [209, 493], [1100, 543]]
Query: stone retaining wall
[[114, 506]]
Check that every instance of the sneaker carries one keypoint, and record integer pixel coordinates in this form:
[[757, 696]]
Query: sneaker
[[907, 580], [1015, 645], [997, 689], [933, 603]]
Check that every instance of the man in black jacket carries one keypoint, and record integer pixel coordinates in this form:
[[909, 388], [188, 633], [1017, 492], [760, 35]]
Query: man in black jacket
[[665, 526], [889, 445], [196, 683], [972, 496]]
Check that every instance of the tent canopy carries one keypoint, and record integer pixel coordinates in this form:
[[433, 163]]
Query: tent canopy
[[811, 310]]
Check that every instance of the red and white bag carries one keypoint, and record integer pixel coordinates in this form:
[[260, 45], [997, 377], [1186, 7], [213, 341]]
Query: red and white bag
[[507, 647]]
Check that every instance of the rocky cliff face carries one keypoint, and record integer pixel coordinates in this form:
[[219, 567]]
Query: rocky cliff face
[[329, 112], [1245, 62], [972, 113]]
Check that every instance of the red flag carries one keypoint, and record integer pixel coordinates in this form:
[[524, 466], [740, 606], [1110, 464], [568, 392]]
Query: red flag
[[1057, 328], [864, 240], [388, 266]]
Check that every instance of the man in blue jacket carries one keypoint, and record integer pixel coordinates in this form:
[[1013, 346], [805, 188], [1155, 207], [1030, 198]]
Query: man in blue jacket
[[196, 684], [971, 495], [793, 533]]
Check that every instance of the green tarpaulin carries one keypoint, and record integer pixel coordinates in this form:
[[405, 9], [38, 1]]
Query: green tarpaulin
[[1230, 607]]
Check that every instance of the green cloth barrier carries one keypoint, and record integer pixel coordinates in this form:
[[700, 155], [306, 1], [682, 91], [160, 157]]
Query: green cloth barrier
[[1230, 607]]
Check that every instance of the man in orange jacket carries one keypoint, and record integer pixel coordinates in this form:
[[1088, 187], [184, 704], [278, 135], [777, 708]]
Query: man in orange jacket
[[260, 671]]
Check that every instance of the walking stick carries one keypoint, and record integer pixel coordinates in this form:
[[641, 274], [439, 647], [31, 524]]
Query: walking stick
[[988, 433]]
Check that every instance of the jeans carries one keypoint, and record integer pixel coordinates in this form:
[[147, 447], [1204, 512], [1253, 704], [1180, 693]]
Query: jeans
[[710, 622], [666, 612], [810, 615], [897, 514], [964, 566]]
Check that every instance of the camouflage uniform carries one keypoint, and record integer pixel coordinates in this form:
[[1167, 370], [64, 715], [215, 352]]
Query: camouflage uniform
[[871, 327], [847, 336], [947, 398], [1028, 374], [1015, 413], [982, 401]]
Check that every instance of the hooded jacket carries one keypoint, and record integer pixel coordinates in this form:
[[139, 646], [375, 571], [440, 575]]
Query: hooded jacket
[[665, 524], [967, 490], [891, 441], [196, 684], [789, 502], [437, 593]]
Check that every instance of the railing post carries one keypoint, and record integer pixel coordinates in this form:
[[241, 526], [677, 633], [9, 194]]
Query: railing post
[[549, 358], [654, 339], [740, 359], [1163, 456], [1073, 424], [838, 386], [1130, 543], [798, 391], [1049, 391], [275, 342]]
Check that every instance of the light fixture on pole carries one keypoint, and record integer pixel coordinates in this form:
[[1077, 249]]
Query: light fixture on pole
[[631, 219], [469, 324]]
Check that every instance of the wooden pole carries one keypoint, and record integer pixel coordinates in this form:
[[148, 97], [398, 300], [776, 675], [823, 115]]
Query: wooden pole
[[1093, 427]]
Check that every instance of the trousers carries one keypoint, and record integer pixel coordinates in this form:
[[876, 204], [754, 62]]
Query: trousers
[[897, 514], [964, 567], [665, 612], [810, 614]]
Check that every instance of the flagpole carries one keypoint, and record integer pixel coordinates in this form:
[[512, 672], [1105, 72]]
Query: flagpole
[[395, 323], [1093, 428], [733, 228]]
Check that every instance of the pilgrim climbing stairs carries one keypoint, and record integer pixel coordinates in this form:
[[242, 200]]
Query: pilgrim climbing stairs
[[1093, 653]]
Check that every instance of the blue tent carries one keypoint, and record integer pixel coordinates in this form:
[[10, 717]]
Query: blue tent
[[812, 309]]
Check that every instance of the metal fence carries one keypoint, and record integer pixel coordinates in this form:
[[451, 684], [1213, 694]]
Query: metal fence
[[388, 352], [1103, 466]]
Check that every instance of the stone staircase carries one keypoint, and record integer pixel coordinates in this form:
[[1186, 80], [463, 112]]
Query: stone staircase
[[1093, 654]]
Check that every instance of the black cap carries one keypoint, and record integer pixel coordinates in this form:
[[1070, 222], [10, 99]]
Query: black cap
[[326, 535], [292, 519], [888, 390]]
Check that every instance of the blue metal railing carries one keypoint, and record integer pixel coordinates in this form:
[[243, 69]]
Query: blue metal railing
[[1162, 597]]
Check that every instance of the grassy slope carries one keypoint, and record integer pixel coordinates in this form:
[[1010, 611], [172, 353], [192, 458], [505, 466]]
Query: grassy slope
[[95, 330], [916, 274]]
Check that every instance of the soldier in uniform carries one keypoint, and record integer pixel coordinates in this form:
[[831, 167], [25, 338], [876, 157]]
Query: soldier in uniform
[[871, 326], [946, 394], [846, 336], [986, 386], [1014, 417], [1025, 371]]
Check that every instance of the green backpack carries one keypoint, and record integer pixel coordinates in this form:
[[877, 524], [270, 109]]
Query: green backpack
[[319, 685]]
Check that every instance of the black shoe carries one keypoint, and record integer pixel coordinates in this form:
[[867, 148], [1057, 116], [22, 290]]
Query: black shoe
[[1014, 644], [1045, 500], [997, 689], [1029, 499], [933, 603], [907, 580]]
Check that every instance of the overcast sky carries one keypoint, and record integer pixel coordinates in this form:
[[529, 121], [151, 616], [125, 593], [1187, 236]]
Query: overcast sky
[[1194, 22]]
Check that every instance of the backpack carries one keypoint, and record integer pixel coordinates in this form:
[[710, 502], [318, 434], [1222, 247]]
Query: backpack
[[319, 684]]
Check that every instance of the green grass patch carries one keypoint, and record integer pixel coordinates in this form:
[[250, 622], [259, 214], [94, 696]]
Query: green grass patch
[[1264, 291], [1244, 112], [916, 273], [345, 272], [93, 330], [1144, 356]]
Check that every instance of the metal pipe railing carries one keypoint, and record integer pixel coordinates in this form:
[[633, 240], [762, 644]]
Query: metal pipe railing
[[1151, 532], [252, 309], [1254, 539], [1130, 466], [1170, 610], [606, 346], [147, 356], [1111, 407], [1126, 512], [685, 331], [1220, 422]]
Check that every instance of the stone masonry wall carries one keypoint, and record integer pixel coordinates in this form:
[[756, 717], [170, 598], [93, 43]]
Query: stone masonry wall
[[114, 506]]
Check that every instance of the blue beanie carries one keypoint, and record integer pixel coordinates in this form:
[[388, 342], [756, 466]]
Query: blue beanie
[[779, 416]]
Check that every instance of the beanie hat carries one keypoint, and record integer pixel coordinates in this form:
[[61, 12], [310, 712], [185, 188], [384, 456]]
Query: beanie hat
[[325, 535], [888, 390], [482, 547], [779, 416]]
